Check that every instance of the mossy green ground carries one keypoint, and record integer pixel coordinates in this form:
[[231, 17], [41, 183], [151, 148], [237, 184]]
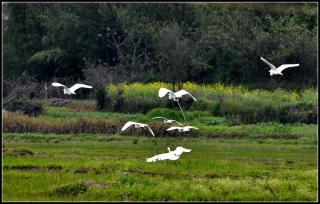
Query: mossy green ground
[[113, 168]]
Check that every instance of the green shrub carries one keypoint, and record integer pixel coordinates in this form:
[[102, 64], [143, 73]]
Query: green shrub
[[125, 179], [23, 105], [202, 104], [100, 98], [71, 189], [254, 111]]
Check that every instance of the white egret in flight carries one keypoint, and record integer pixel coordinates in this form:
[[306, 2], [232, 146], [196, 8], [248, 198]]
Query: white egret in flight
[[171, 155], [71, 90], [277, 71], [182, 129], [165, 120], [175, 96], [137, 125]]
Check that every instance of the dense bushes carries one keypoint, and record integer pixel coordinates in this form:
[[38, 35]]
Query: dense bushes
[[240, 111], [22, 104], [102, 98], [237, 103]]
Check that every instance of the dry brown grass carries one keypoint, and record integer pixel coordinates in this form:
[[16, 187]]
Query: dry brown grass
[[20, 123]]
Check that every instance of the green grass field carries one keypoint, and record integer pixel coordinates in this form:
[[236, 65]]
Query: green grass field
[[98, 167], [232, 159]]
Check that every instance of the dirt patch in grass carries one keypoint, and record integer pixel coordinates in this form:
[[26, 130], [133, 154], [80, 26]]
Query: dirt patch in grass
[[54, 168], [92, 183], [71, 189], [33, 168], [86, 170], [22, 167], [18, 152], [173, 175]]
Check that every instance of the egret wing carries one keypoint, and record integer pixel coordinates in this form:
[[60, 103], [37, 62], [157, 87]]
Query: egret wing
[[172, 128], [192, 127], [128, 124], [159, 118], [150, 130], [180, 150], [163, 92], [268, 63], [285, 66], [157, 158], [77, 86], [58, 84], [160, 157], [184, 92]]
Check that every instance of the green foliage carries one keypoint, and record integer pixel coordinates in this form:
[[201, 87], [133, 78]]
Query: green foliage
[[237, 103], [44, 64], [102, 98], [204, 43]]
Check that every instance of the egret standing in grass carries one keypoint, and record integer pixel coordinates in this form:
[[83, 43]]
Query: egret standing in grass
[[71, 90], [277, 71], [175, 97]]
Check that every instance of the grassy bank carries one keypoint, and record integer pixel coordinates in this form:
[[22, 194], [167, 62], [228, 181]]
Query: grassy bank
[[212, 127]]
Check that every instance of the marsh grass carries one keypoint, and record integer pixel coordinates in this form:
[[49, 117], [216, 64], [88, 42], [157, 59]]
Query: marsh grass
[[209, 126], [115, 170]]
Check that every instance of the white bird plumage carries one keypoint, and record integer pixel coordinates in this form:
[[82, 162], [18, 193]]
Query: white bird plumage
[[171, 155], [136, 125], [71, 90], [274, 70], [174, 96], [182, 129], [165, 120]]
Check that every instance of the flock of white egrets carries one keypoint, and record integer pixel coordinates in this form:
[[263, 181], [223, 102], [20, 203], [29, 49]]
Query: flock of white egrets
[[175, 96]]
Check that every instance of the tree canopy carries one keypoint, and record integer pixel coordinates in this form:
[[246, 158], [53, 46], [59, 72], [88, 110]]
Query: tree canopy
[[171, 42]]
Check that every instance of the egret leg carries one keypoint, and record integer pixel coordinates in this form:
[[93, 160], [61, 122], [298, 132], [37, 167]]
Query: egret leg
[[182, 111]]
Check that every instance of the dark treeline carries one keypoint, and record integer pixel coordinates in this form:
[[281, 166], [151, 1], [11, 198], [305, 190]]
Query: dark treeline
[[171, 42]]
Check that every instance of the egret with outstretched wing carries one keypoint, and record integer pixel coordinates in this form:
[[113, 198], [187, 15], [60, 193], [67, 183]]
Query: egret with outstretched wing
[[175, 97], [171, 155], [137, 125], [71, 90], [182, 129], [165, 120], [277, 71]]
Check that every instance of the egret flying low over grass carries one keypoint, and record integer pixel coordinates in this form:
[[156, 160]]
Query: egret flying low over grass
[[277, 71], [71, 90], [182, 129], [165, 120], [137, 125], [171, 155], [175, 97]]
